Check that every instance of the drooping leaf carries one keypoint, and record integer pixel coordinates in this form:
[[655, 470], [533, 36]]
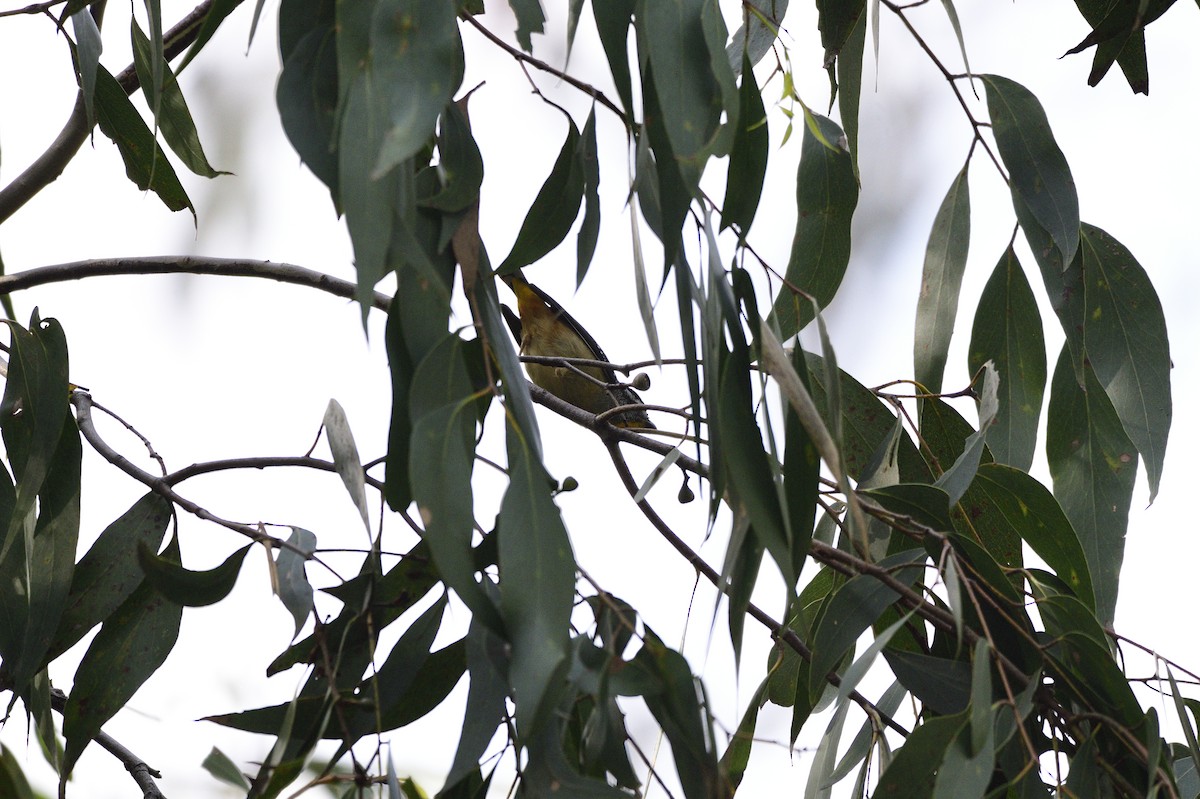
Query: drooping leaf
[[941, 278], [747, 159], [307, 92], [677, 709], [131, 645], [688, 93], [944, 434], [460, 168], [849, 83], [440, 462], [1093, 465], [109, 572], [1037, 168], [761, 21], [293, 588], [554, 209], [864, 421], [345, 457], [1125, 338], [1008, 332], [530, 20], [537, 580], [1006, 499], [485, 701], [853, 608], [88, 47], [612, 24], [217, 12], [219, 764], [416, 64], [185, 587], [913, 770], [941, 684], [826, 195], [955, 480], [145, 163], [589, 229], [174, 119]]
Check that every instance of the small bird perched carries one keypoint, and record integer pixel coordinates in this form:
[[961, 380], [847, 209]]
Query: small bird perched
[[545, 329]]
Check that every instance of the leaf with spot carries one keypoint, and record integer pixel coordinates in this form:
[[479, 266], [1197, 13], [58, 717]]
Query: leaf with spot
[[1093, 465], [131, 645], [1125, 337]]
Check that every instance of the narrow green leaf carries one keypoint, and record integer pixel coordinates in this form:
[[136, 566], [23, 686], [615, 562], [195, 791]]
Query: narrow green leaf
[[761, 21], [853, 608], [37, 385], [1008, 332], [913, 770], [307, 92], [1009, 498], [941, 278], [864, 420], [217, 12], [952, 15], [145, 163], [132, 644], [921, 502], [589, 229], [964, 773], [1093, 465], [941, 684], [485, 710], [748, 157], [959, 476], [836, 20], [293, 587], [185, 587], [860, 747], [826, 195], [1037, 168], [345, 458], [849, 78], [554, 209], [219, 764], [173, 118], [944, 434], [982, 724], [613, 19], [530, 20], [416, 67], [460, 169], [1063, 282], [109, 572], [677, 709], [737, 755], [88, 47], [40, 565], [689, 94], [13, 782], [537, 580], [1125, 337]]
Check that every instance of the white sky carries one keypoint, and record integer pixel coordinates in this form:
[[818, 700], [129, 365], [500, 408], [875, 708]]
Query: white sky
[[213, 367]]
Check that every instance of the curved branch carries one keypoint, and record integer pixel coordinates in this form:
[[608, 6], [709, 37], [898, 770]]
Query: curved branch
[[50, 164], [185, 264], [261, 462], [82, 401]]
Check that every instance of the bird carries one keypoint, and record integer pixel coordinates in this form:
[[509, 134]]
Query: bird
[[543, 328]]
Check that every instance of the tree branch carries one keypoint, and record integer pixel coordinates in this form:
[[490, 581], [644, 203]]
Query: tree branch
[[50, 164], [184, 264], [778, 630], [141, 772]]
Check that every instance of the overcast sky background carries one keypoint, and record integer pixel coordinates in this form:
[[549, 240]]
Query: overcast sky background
[[220, 367]]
